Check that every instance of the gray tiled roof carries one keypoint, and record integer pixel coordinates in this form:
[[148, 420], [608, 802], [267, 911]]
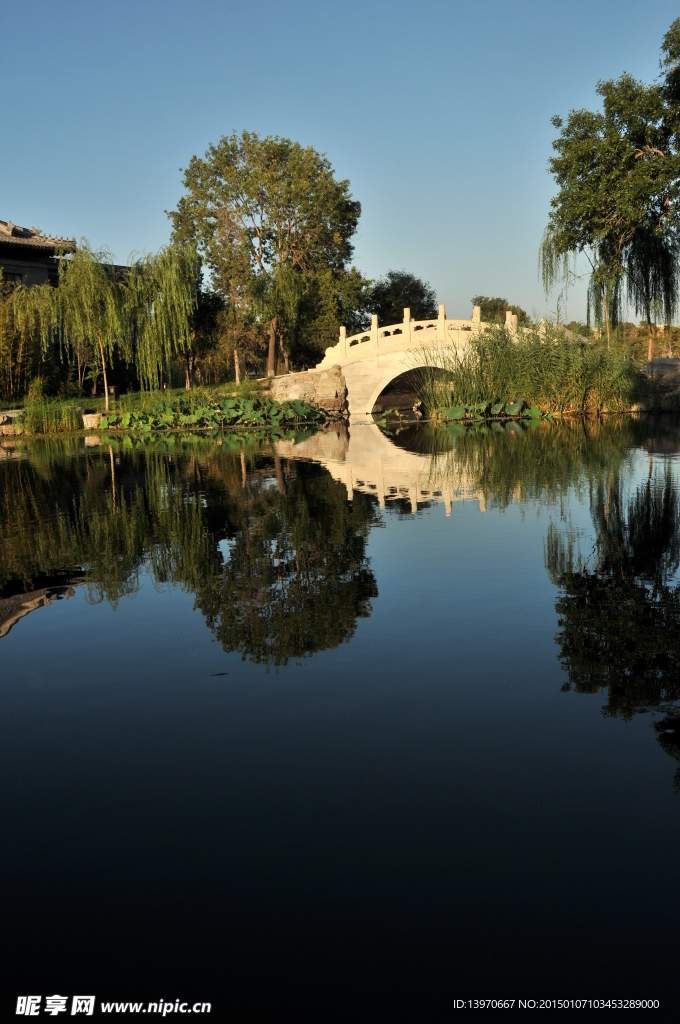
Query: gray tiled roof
[[33, 238]]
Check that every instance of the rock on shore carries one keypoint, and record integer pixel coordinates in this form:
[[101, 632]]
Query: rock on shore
[[325, 389]]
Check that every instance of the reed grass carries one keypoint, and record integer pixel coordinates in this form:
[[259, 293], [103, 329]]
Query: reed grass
[[51, 417], [551, 369]]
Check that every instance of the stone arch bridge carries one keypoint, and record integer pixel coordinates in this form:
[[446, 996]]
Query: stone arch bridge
[[372, 360]]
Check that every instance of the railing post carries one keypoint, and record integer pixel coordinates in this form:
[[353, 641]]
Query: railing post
[[374, 329], [407, 325], [441, 323], [343, 340]]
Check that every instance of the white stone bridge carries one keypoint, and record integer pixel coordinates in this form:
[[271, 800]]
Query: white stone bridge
[[373, 359]]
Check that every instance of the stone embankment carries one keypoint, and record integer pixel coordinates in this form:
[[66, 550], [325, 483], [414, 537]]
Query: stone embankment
[[664, 378]]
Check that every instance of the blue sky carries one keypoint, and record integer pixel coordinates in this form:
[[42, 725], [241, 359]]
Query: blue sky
[[438, 113]]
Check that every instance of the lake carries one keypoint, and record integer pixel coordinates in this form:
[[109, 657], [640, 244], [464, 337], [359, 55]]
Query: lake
[[345, 726]]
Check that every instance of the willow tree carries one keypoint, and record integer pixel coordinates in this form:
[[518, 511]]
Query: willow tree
[[159, 300], [617, 171], [260, 208], [652, 263], [89, 305], [25, 334]]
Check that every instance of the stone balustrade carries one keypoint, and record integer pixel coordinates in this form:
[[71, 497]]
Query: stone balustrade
[[398, 337]]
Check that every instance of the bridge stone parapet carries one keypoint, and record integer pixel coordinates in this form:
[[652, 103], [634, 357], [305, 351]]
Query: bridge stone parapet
[[372, 359]]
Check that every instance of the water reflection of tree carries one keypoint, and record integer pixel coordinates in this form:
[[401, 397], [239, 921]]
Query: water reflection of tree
[[539, 462], [619, 609], [292, 579], [296, 578]]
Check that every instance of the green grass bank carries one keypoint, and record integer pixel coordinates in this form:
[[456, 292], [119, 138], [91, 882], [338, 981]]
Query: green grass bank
[[210, 409]]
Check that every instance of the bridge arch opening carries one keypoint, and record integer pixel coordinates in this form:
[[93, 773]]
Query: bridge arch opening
[[404, 391], [401, 393]]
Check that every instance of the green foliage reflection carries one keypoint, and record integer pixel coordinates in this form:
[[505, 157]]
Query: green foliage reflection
[[273, 552], [619, 608]]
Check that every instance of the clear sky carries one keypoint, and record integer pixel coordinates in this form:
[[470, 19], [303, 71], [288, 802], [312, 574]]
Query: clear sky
[[437, 112]]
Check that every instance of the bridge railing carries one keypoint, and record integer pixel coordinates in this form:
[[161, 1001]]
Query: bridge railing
[[408, 333]]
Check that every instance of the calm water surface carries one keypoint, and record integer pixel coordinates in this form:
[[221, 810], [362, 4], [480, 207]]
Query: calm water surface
[[343, 759]]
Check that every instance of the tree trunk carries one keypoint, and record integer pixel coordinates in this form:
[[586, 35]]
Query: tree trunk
[[237, 368], [284, 353], [106, 384], [271, 358], [650, 342], [606, 316], [243, 469]]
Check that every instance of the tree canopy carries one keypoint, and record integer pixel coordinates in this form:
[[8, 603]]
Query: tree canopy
[[618, 176], [494, 310], [399, 290], [275, 228]]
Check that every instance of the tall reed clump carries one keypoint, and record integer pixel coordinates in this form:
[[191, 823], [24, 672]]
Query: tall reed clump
[[51, 417], [550, 368]]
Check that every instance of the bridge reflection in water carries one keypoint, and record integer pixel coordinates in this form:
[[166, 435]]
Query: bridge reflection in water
[[364, 459]]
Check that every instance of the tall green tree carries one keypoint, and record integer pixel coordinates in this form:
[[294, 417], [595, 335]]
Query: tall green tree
[[617, 175], [260, 209], [205, 325], [25, 334], [88, 305], [399, 290], [652, 263], [160, 300], [141, 313]]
